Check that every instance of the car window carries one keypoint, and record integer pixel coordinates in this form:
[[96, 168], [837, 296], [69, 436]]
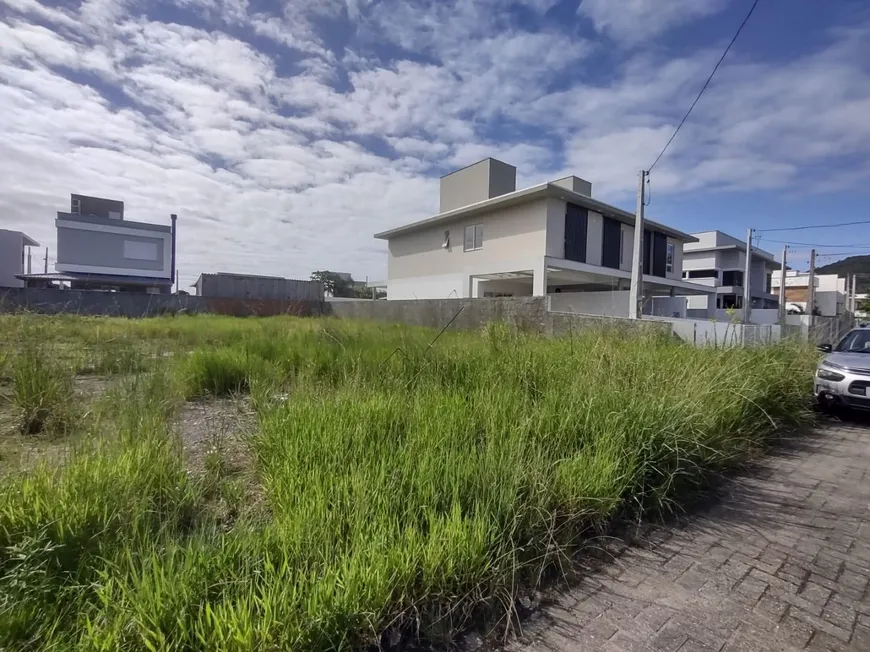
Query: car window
[[858, 340]]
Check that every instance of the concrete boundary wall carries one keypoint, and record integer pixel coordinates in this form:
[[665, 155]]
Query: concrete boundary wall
[[524, 313], [134, 305]]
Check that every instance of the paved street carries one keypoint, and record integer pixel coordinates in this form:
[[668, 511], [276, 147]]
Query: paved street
[[781, 563]]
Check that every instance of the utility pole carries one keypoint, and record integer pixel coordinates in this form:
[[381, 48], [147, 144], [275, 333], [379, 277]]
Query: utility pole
[[782, 310], [747, 295], [635, 306], [811, 288], [46, 261]]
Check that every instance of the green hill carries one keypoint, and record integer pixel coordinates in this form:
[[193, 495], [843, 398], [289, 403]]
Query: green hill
[[852, 265]]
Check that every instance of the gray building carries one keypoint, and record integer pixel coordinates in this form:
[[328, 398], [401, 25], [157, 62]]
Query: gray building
[[14, 252], [719, 261], [251, 286], [98, 249]]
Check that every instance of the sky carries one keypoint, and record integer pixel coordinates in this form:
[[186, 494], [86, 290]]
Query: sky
[[284, 134]]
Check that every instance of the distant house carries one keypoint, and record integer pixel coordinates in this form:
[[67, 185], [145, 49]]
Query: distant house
[[97, 249], [491, 240], [829, 295], [252, 286], [14, 246], [719, 260]]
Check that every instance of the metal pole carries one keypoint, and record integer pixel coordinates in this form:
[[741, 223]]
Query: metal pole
[[747, 295], [46, 260], [782, 310], [635, 310], [811, 287], [29, 260]]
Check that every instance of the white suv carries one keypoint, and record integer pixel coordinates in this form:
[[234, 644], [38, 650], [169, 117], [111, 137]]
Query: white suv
[[843, 376]]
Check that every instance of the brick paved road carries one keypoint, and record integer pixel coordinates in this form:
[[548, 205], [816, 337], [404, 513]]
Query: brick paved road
[[781, 563]]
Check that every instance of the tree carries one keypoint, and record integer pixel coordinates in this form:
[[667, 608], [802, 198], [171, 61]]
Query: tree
[[334, 284]]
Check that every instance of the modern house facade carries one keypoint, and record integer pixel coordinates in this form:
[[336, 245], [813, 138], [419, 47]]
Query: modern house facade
[[14, 254], [491, 240], [829, 296], [718, 260], [98, 249]]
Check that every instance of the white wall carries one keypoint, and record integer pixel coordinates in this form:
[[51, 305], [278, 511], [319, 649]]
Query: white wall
[[11, 247], [704, 260], [611, 304], [508, 234], [438, 286]]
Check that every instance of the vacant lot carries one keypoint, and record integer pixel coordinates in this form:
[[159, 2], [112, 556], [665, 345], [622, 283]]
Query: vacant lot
[[229, 484]]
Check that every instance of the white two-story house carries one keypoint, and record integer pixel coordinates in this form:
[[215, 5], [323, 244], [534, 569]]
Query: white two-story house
[[490, 239]]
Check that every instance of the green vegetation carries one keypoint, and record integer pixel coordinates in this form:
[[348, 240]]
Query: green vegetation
[[398, 488], [42, 391]]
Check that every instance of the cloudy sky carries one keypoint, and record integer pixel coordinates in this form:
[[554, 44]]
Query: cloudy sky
[[285, 133]]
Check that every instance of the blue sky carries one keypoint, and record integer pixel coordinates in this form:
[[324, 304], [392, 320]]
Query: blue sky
[[284, 134]]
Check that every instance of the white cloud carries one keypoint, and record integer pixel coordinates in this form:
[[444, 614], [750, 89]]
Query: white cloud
[[285, 168], [634, 21]]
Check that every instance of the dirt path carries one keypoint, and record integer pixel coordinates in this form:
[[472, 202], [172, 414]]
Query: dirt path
[[781, 563]]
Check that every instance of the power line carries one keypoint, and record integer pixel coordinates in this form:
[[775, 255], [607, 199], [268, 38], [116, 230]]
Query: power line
[[816, 244], [813, 226], [706, 83]]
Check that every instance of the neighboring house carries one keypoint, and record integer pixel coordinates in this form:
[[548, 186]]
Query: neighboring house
[[97, 249], [491, 240], [14, 252], [251, 286], [830, 292], [719, 260]]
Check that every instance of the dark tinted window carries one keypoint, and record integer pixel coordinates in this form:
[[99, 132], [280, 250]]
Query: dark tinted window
[[857, 340]]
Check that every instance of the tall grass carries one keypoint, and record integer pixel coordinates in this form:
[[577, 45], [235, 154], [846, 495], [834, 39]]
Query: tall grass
[[42, 391], [413, 489]]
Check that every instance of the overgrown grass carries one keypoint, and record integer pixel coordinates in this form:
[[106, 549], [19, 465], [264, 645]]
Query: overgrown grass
[[413, 489], [42, 391]]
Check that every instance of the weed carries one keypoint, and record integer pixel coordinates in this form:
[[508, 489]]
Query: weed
[[410, 488], [42, 390]]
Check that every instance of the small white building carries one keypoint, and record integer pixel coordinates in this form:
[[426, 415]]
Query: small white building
[[490, 240], [830, 292], [14, 253]]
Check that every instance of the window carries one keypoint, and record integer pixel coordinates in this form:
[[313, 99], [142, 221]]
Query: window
[[669, 265], [621, 247], [768, 283], [730, 301], [732, 277], [138, 250], [702, 273], [473, 237]]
